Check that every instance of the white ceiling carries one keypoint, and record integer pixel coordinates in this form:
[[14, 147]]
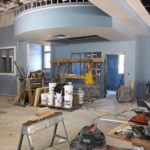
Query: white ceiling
[[130, 12], [140, 10]]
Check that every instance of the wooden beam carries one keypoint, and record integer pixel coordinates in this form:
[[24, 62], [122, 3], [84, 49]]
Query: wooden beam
[[38, 94], [76, 60], [72, 77]]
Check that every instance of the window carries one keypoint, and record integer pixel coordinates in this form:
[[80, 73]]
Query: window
[[7, 58], [80, 68], [76, 67], [121, 64], [47, 56]]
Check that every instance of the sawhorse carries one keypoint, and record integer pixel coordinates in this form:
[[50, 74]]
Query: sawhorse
[[30, 128]]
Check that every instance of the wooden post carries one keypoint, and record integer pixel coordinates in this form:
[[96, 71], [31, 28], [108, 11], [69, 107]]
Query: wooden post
[[18, 90], [18, 86]]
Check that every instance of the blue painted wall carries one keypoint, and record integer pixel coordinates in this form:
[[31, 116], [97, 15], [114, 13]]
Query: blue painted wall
[[136, 60], [128, 48], [7, 38], [136, 52], [7, 82], [22, 54], [142, 65], [143, 59]]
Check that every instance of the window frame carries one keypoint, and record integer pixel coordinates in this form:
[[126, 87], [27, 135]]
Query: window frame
[[45, 52], [14, 59]]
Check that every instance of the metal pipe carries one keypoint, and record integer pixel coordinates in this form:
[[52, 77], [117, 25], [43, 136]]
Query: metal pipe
[[113, 120]]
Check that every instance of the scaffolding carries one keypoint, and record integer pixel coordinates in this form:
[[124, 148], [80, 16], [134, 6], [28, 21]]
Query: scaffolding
[[63, 70]]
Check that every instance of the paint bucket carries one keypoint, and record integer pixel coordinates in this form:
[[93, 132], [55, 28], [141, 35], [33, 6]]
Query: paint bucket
[[68, 90], [50, 98], [44, 98], [58, 100], [68, 100], [69, 83], [81, 95], [52, 87]]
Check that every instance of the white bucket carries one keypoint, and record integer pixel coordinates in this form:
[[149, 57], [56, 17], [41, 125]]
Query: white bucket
[[69, 83], [68, 101], [81, 95], [58, 100], [50, 98], [51, 87], [68, 98], [68, 90], [44, 98]]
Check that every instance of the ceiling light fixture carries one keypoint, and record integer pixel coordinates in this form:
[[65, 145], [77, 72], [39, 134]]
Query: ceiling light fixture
[[62, 36]]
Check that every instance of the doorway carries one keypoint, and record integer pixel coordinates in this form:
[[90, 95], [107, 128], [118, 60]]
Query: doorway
[[114, 73]]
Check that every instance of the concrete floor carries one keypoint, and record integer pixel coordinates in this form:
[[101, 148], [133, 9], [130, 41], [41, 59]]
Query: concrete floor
[[12, 117]]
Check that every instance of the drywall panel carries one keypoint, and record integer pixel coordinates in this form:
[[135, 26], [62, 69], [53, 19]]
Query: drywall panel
[[142, 66], [7, 36], [144, 59]]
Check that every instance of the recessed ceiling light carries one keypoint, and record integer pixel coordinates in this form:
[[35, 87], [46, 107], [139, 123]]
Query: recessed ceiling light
[[60, 36]]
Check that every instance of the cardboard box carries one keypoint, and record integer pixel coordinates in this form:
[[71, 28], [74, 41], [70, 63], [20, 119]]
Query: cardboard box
[[75, 100]]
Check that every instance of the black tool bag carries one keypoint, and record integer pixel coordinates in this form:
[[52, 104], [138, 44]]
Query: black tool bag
[[87, 140]]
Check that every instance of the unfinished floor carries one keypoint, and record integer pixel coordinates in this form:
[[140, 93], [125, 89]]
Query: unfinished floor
[[12, 117]]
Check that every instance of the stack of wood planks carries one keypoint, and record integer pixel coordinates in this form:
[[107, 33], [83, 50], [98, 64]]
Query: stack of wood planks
[[42, 113], [33, 84]]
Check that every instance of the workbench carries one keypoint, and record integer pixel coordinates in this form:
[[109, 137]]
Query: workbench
[[121, 142]]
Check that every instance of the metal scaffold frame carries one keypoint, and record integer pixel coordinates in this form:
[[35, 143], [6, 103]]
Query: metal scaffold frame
[[99, 81]]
